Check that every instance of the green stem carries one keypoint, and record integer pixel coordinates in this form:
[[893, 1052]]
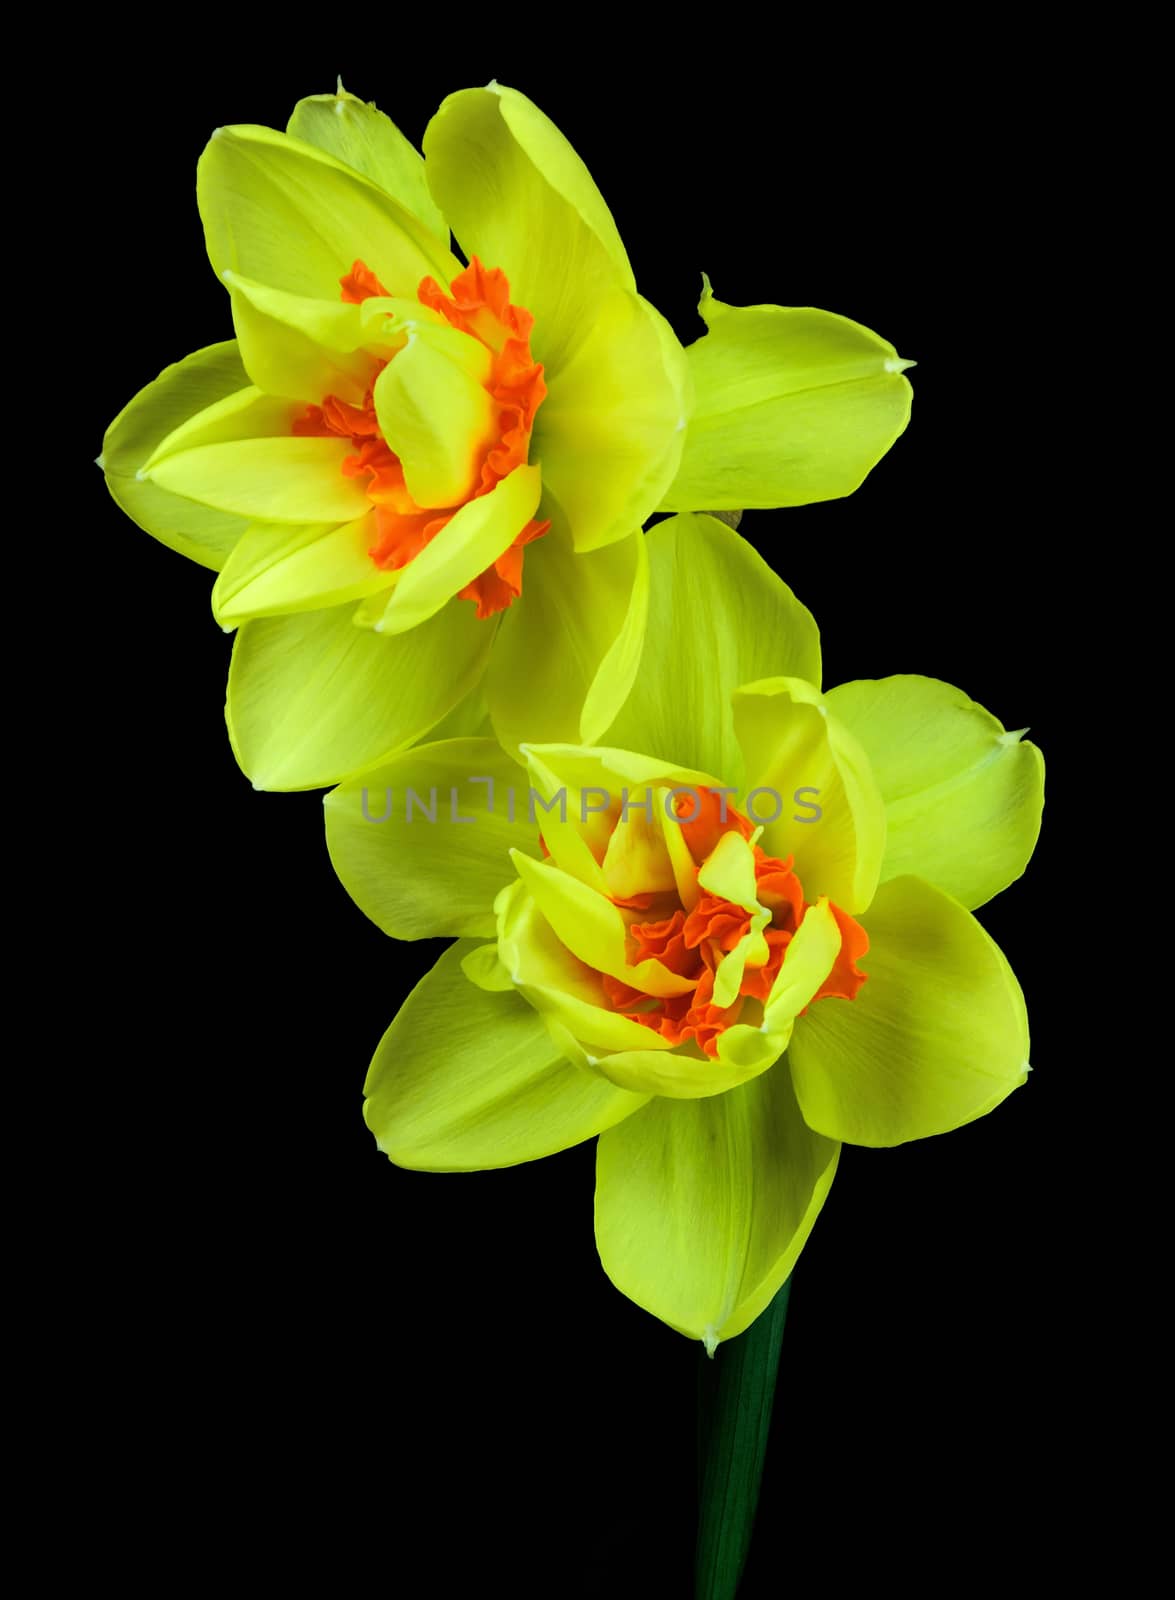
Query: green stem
[[735, 1393]]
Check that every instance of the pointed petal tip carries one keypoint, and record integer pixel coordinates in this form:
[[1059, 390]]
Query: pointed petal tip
[[100, 462], [711, 1341], [1013, 735], [898, 364]]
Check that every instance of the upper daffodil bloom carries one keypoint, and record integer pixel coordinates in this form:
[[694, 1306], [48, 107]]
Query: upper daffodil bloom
[[415, 476], [726, 941]]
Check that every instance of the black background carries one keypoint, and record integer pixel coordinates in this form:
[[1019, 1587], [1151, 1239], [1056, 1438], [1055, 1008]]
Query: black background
[[321, 1357]]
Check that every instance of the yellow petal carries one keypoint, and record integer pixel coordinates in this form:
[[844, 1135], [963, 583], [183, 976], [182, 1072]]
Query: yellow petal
[[470, 542], [270, 480]]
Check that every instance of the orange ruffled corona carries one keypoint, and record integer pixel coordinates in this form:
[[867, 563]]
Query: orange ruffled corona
[[478, 304], [692, 943]]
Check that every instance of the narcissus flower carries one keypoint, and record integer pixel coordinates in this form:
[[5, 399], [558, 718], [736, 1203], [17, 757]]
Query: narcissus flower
[[416, 476], [726, 942]]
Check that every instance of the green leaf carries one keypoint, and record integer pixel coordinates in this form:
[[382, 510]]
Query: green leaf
[[735, 1394]]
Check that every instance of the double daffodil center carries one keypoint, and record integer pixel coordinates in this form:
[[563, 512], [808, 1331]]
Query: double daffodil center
[[708, 915], [447, 417]]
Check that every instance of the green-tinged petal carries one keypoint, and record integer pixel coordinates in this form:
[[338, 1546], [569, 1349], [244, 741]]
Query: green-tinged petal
[[470, 541], [436, 414], [751, 949], [302, 347], [271, 480], [592, 928], [464, 1080], [807, 961], [729, 872], [484, 967], [571, 999], [610, 431], [313, 699], [718, 617], [556, 982], [245, 414], [791, 405], [674, 1074], [368, 142], [609, 434], [468, 719], [568, 649], [284, 213], [638, 859], [278, 568], [617, 671], [519, 197], [703, 1207], [747, 1048], [422, 843], [685, 870], [962, 798], [579, 794], [799, 761], [936, 1037], [179, 393]]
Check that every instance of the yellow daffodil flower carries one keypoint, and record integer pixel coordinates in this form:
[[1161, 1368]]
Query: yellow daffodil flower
[[726, 942], [415, 476]]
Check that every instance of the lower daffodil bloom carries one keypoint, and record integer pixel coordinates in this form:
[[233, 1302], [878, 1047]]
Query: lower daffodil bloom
[[412, 475], [735, 937]]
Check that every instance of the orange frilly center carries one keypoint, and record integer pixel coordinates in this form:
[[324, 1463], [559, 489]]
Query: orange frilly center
[[478, 304], [693, 943]]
